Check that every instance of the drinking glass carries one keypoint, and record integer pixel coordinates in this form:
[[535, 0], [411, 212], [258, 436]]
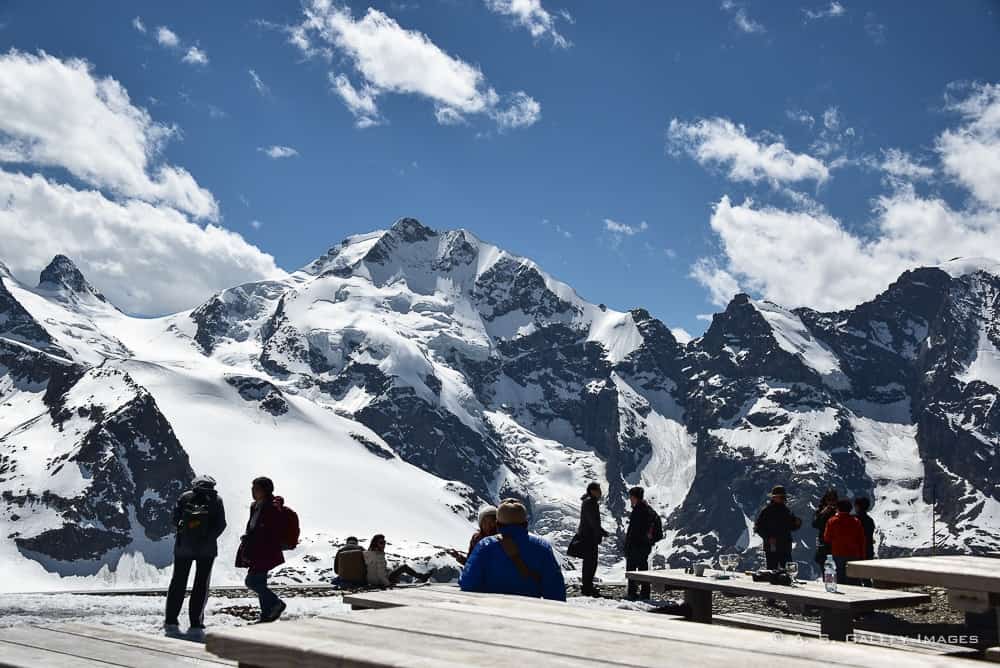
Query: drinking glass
[[792, 568], [734, 561]]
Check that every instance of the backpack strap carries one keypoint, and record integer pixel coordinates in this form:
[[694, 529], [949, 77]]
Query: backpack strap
[[511, 550]]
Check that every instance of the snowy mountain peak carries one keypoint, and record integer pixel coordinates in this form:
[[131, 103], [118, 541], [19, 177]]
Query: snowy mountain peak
[[411, 230], [63, 275]]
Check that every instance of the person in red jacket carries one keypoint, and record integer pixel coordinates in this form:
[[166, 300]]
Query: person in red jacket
[[260, 547], [845, 535]]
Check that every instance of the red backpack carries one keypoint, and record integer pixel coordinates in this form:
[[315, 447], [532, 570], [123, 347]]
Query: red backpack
[[290, 525]]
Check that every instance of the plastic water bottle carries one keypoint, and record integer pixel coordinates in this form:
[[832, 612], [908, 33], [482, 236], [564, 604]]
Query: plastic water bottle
[[830, 574]]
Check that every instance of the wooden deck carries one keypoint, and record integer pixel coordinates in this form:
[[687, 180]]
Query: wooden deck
[[72, 645], [476, 635]]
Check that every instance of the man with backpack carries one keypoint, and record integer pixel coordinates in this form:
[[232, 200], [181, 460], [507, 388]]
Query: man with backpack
[[200, 519], [349, 564], [514, 561], [645, 529], [272, 527]]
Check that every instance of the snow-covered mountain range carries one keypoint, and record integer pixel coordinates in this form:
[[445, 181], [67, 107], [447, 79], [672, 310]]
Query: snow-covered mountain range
[[408, 375]]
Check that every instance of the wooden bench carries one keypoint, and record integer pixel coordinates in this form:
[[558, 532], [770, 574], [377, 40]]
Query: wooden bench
[[407, 637], [802, 627], [72, 645], [837, 609]]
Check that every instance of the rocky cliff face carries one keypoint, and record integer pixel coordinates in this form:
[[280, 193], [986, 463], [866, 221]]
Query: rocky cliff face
[[475, 366]]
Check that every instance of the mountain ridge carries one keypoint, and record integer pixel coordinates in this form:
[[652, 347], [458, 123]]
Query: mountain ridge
[[471, 373]]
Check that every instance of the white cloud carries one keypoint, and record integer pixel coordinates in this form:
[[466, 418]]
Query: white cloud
[[624, 229], [145, 258], [834, 10], [722, 142], [971, 153], [531, 15], [681, 334], [741, 19], [129, 233], [388, 58], [55, 113], [360, 102], [801, 116], [276, 152], [256, 224], [258, 83], [831, 118], [720, 283], [139, 25], [195, 56], [521, 111], [901, 165], [809, 259], [167, 37], [217, 112]]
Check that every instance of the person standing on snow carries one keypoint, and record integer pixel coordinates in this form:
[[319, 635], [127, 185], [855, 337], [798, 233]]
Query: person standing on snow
[[261, 545], [199, 519], [588, 537]]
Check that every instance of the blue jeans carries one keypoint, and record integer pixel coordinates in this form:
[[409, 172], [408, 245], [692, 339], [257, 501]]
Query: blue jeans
[[257, 582]]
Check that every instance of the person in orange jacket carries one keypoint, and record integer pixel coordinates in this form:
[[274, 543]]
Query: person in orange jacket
[[845, 535]]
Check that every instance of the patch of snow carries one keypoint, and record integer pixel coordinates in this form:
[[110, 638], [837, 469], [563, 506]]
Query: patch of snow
[[794, 337], [985, 363]]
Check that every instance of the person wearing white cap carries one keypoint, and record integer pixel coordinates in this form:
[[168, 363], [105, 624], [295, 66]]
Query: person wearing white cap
[[487, 526], [199, 519]]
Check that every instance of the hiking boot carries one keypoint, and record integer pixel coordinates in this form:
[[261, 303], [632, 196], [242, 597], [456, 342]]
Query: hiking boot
[[196, 634], [172, 630], [274, 614]]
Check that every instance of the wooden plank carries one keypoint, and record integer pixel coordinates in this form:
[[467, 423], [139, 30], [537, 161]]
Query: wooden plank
[[96, 650], [519, 607], [21, 656], [809, 593], [345, 643], [158, 644], [812, 629], [951, 572], [695, 644]]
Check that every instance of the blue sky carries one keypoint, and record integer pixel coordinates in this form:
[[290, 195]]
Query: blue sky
[[600, 139]]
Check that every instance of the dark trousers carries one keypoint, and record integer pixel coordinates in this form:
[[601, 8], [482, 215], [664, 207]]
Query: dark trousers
[[257, 583], [776, 560], [589, 568], [842, 571], [199, 592], [637, 561]]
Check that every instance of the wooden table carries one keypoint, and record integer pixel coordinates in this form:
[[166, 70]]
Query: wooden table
[[421, 637], [837, 609], [95, 646], [973, 583], [515, 607]]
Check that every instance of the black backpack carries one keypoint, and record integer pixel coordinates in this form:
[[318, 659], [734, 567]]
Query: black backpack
[[655, 527], [196, 518]]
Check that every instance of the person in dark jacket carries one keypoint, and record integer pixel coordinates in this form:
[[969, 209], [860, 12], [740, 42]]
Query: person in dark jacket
[[199, 519], [349, 564], [514, 561], [590, 534], [260, 547], [862, 505], [827, 508], [639, 541], [775, 525]]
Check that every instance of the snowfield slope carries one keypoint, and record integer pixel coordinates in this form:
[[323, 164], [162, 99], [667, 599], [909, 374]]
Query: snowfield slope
[[408, 375]]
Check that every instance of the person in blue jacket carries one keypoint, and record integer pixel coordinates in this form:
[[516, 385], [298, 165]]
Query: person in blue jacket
[[514, 561]]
